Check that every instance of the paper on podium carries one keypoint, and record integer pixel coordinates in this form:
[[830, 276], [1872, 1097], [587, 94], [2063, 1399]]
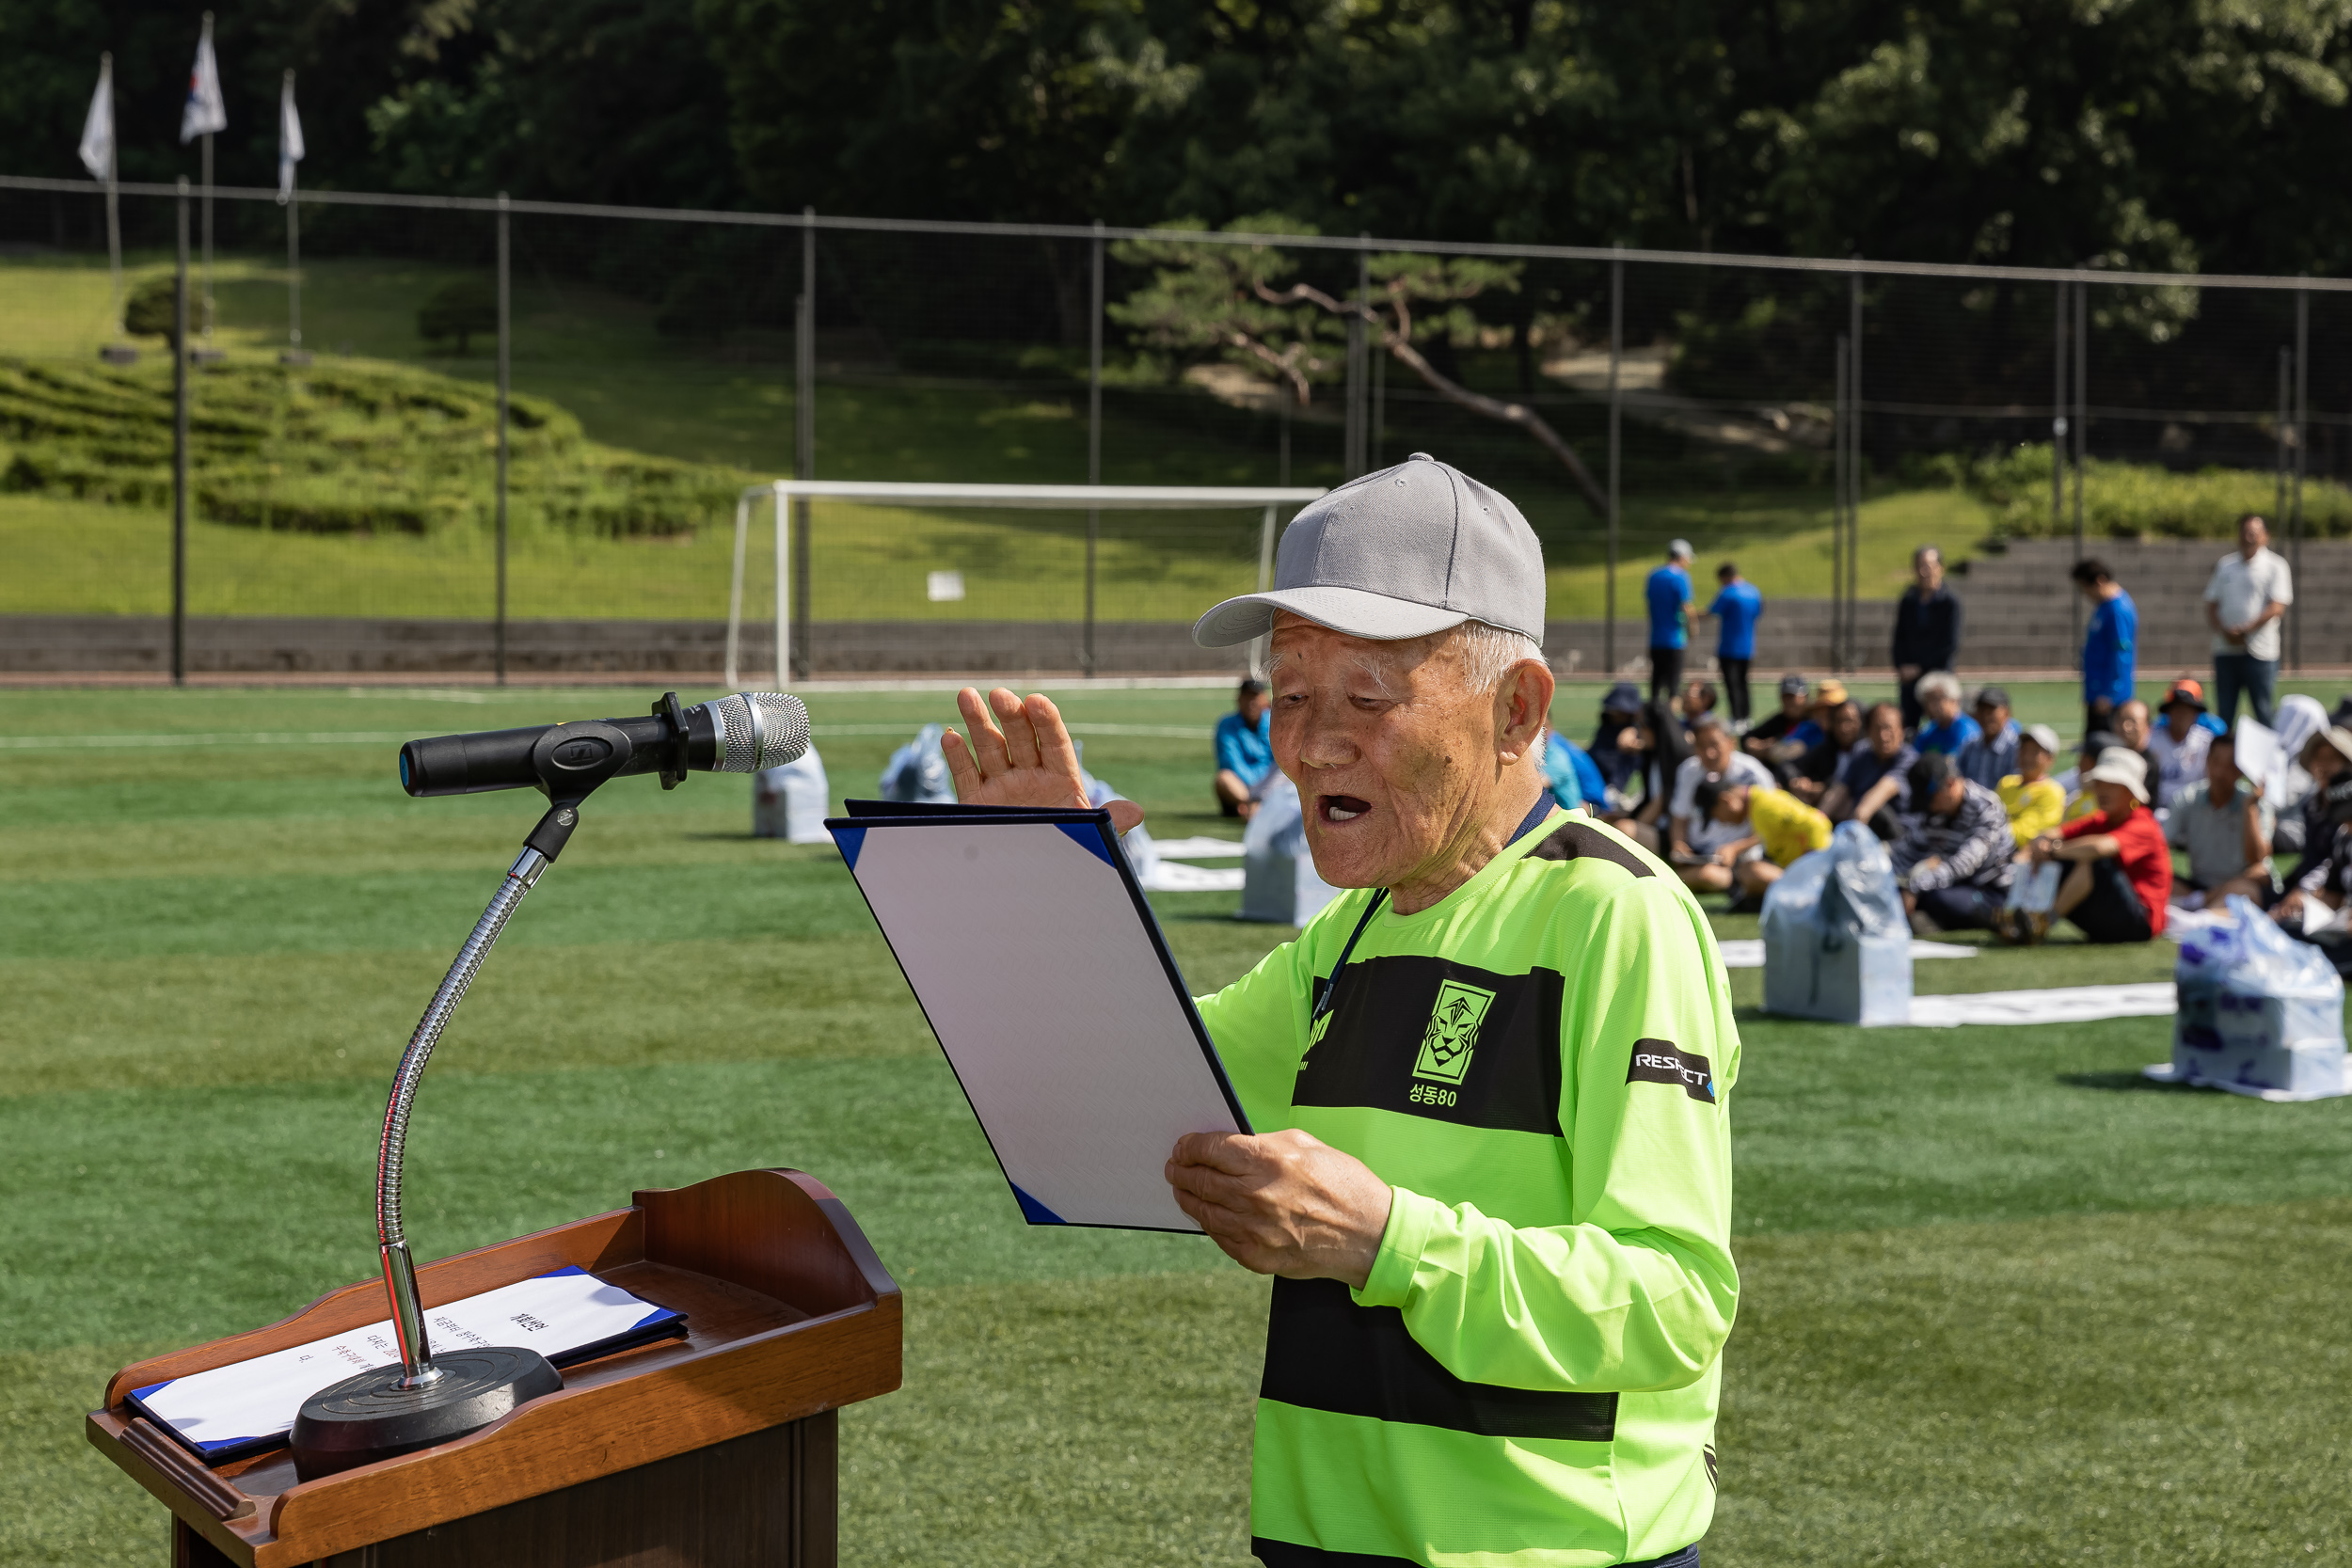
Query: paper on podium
[[1039, 965], [568, 1316]]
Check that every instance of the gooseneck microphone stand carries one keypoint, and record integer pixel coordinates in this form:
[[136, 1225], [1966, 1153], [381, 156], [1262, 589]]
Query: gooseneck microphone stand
[[421, 1401]]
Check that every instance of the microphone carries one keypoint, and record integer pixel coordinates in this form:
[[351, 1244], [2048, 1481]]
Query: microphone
[[743, 733]]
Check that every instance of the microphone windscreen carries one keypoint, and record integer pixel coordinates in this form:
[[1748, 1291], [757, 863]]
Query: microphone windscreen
[[759, 730]]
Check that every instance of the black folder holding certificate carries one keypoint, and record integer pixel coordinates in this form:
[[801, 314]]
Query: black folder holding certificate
[[1035, 956]]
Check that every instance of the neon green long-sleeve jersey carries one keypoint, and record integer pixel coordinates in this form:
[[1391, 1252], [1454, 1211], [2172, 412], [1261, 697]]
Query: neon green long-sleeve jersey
[[1540, 1065]]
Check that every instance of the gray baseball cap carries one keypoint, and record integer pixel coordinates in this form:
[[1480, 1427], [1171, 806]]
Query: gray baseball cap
[[1407, 551]]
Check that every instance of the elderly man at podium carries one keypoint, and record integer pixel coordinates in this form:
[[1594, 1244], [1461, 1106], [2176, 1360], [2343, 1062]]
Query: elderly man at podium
[[1492, 1174]]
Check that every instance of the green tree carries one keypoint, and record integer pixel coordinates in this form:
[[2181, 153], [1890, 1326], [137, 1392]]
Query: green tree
[[458, 308], [152, 310]]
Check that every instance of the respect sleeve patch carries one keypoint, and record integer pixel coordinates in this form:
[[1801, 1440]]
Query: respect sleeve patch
[[1663, 1062]]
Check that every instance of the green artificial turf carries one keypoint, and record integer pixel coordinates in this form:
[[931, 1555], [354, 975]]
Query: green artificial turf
[[2003, 1301]]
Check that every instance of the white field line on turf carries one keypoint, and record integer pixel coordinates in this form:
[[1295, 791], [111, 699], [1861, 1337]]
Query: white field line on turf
[[379, 737]]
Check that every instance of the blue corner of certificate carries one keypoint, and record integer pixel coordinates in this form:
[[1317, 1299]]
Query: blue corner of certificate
[[1032, 1210], [850, 841], [1090, 836]]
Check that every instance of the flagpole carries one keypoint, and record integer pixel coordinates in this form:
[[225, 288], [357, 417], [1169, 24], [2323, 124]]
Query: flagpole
[[287, 162], [208, 209], [114, 214]]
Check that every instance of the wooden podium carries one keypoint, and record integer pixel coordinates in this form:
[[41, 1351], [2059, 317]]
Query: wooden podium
[[714, 1449]]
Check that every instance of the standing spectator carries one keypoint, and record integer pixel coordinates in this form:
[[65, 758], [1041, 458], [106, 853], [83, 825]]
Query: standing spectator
[[2225, 828], [1736, 608], [2245, 601], [1873, 774], [1953, 858], [2176, 748], [1840, 718], [1772, 820], [1668, 591], [1699, 848], [1244, 750], [2036, 803], [1616, 743], [2110, 643], [1992, 756], [1944, 729], [1926, 629], [2120, 879]]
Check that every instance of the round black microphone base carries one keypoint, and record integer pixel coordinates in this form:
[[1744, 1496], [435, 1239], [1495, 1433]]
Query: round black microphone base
[[371, 1417]]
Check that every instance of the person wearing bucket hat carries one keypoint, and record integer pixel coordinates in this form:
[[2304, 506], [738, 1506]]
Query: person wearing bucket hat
[[2120, 877], [1512, 1011]]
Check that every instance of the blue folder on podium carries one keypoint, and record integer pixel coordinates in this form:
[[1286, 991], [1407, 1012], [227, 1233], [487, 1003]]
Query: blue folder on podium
[[1036, 958]]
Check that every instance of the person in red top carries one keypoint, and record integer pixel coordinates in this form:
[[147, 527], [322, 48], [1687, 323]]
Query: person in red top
[[2121, 876]]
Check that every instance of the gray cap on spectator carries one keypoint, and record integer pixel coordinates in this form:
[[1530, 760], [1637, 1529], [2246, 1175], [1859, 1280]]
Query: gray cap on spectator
[[1414, 549], [2043, 737]]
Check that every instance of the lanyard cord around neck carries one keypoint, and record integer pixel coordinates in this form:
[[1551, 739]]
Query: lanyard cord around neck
[[1329, 999]]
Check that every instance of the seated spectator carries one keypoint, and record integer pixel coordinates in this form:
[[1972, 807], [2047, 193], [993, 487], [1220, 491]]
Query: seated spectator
[[1620, 721], [1944, 729], [2326, 763], [1774, 820], [2081, 800], [2177, 746], [2132, 725], [1992, 756], [2225, 827], [2296, 721], [1698, 846], [2313, 908], [1840, 720], [1953, 859], [2035, 801], [1873, 775], [1696, 701], [1657, 738], [1780, 740], [1573, 778], [2121, 876], [1244, 750]]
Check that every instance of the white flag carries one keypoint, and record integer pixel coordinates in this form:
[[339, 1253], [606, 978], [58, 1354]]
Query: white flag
[[205, 112], [98, 131], [289, 140]]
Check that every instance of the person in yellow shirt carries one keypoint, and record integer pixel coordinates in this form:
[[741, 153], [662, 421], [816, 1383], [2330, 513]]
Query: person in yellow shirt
[[2035, 801], [1779, 827]]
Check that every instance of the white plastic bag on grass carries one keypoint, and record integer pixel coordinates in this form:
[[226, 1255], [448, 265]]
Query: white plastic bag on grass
[[2261, 1013]]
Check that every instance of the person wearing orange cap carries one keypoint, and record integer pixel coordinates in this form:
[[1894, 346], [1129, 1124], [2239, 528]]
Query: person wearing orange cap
[[2176, 748]]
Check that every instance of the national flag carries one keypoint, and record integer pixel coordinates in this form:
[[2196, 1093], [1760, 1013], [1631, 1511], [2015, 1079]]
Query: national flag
[[289, 140], [98, 131], [205, 112]]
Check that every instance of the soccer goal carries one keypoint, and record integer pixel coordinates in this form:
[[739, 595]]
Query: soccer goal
[[1059, 498]]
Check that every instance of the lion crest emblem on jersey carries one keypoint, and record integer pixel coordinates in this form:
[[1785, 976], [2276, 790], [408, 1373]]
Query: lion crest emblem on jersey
[[1446, 1044]]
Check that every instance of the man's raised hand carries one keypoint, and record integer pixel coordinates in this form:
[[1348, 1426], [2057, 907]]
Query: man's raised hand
[[1283, 1203], [1028, 761]]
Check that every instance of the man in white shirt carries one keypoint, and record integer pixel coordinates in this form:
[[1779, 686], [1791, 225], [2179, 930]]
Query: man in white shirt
[[1702, 850], [2250, 592]]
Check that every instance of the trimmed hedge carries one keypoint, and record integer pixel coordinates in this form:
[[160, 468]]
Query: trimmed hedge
[[346, 447], [2134, 501]]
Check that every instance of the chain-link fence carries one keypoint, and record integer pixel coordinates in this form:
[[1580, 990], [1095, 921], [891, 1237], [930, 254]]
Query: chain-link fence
[[471, 439]]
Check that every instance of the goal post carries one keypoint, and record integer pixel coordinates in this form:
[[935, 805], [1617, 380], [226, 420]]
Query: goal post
[[782, 493]]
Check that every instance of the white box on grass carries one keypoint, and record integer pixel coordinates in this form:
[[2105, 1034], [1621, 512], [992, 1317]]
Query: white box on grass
[[1278, 882], [2261, 1014]]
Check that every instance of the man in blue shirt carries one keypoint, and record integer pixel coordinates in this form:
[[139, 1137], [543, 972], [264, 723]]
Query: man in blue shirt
[[1944, 729], [1736, 607], [1668, 591], [1245, 750], [1992, 756], [2110, 644]]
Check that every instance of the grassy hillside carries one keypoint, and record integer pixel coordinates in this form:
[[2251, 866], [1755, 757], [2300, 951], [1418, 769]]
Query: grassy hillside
[[648, 430]]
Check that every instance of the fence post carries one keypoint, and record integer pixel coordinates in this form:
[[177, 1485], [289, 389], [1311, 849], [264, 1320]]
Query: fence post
[[2302, 446], [1354, 459], [735, 590], [784, 587], [1261, 646], [1854, 477], [2082, 424], [2278, 437], [1379, 402], [2057, 414], [804, 451], [180, 452], [1616, 411], [506, 345], [1837, 419], [1094, 445]]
